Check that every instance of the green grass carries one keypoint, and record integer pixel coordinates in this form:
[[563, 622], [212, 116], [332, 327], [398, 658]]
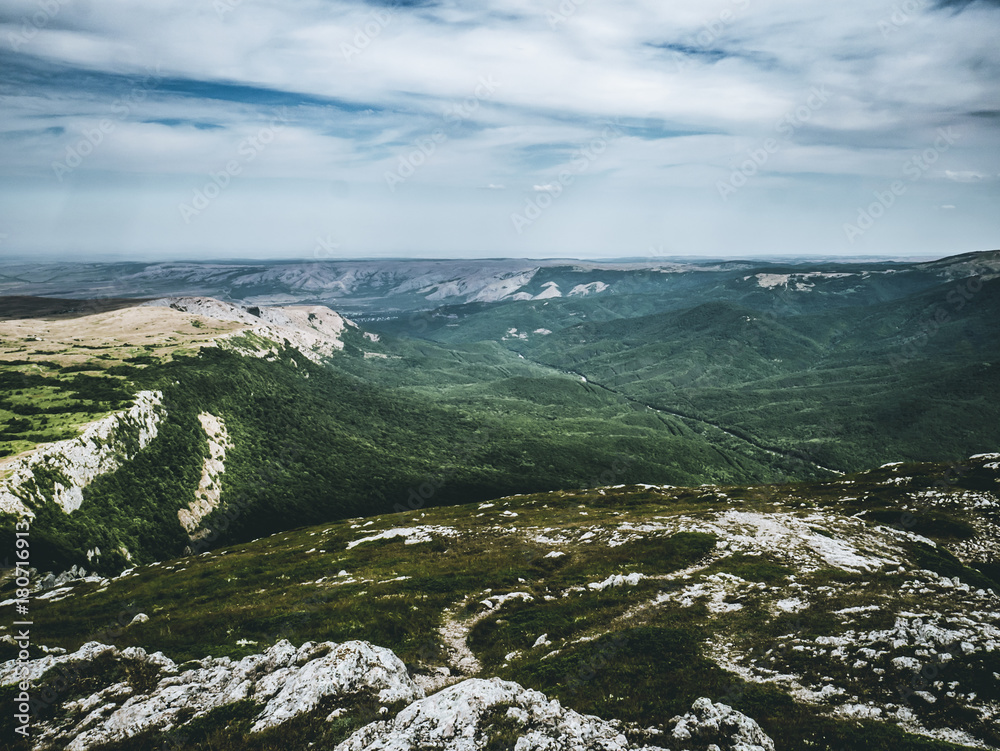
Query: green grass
[[643, 669], [313, 444], [929, 523], [50, 403], [752, 568]]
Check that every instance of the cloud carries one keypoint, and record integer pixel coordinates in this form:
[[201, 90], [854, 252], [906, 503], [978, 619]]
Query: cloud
[[965, 176], [696, 86]]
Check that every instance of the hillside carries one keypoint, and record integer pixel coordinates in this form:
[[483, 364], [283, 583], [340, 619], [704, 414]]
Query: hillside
[[679, 506], [857, 613], [261, 419], [910, 378], [670, 373]]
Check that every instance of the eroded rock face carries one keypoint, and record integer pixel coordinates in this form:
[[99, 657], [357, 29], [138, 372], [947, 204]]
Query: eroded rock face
[[102, 447], [210, 486], [314, 330], [284, 680]]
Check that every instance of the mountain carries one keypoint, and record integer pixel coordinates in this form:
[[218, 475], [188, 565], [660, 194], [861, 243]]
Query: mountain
[[218, 422], [378, 288], [503, 505], [857, 613], [726, 374]]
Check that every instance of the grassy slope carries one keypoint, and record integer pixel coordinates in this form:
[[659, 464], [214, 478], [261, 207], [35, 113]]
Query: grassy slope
[[643, 668], [851, 389], [314, 443], [66, 369]]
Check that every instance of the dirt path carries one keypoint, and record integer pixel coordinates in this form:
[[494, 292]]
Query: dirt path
[[462, 663]]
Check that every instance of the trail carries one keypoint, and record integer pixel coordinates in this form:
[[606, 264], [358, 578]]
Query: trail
[[455, 634], [461, 662]]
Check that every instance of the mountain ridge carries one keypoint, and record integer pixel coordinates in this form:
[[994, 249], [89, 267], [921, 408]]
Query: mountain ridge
[[409, 284]]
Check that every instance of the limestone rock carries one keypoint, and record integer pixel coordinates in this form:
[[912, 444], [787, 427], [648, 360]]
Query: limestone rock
[[465, 716], [722, 726]]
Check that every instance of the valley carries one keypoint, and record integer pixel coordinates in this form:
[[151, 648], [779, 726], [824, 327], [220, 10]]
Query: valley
[[506, 505]]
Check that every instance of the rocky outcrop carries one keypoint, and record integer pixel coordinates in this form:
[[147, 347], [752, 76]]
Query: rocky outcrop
[[210, 487], [285, 681], [314, 330], [719, 726], [151, 693], [478, 712], [102, 447]]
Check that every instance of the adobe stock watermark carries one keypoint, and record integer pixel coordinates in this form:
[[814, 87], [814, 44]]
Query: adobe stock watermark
[[925, 675], [901, 15], [220, 519], [612, 475], [365, 34], [249, 149], [326, 248], [707, 35], [432, 483], [580, 161], [224, 7], [425, 147], [563, 12], [587, 669], [785, 127], [98, 133], [959, 295], [914, 168], [32, 25]]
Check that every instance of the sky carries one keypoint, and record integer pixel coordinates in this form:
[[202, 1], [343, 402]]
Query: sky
[[498, 128]]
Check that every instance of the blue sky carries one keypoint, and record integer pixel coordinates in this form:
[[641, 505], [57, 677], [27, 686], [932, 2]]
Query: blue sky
[[580, 128]]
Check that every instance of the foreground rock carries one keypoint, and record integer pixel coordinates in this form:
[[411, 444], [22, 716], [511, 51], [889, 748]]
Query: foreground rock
[[721, 726], [479, 713], [157, 696], [148, 693]]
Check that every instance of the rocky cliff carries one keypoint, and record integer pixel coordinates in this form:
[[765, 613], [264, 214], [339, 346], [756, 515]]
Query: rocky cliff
[[71, 465]]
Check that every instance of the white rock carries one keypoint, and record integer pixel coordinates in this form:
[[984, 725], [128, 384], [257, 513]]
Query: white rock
[[314, 330], [542, 641], [454, 720], [352, 667], [285, 680], [711, 722], [101, 448], [412, 535], [617, 580]]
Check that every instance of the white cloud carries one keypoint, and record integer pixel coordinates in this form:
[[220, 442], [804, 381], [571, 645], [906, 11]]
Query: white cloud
[[965, 176], [698, 85]]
